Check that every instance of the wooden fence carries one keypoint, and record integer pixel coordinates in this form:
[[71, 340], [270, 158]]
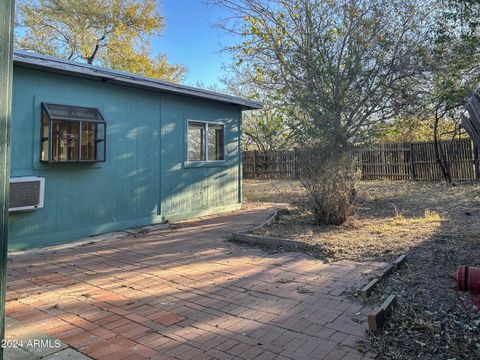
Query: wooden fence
[[391, 161], [274, 165]]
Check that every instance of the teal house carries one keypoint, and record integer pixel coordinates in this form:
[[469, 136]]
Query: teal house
[[96, 150]]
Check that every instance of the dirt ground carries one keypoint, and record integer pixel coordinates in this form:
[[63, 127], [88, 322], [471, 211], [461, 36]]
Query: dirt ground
[[436, 225]]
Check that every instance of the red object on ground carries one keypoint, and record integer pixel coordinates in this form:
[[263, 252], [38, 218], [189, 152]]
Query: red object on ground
[[468, 280]]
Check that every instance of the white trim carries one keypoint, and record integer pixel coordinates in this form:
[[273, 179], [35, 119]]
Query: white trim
[[41, 197], [206, 142], [206, 123]]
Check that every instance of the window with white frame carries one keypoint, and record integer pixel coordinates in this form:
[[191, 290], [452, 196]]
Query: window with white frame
[[205, 141]]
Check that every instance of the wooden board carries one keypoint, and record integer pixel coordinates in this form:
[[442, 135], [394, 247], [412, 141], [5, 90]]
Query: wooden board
[[6, 37]]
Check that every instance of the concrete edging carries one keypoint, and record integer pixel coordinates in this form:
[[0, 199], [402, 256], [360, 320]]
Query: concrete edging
[[267, 241], [245, 237], [267, 222]]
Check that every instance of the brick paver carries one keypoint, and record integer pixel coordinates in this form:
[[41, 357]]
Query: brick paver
[[187, 293]]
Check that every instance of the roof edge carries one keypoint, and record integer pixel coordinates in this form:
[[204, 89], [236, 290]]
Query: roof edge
[[35, 60]]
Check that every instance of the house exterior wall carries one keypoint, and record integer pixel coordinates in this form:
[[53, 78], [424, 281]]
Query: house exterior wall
[[145, 179]]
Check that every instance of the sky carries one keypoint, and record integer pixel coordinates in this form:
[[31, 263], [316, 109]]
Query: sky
[[190, 39]]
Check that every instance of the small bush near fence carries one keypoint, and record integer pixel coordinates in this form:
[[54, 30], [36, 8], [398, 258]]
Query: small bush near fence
[[391, 161]]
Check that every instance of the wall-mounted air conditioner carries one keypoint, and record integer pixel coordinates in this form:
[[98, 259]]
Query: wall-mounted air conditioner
[[26, 193]]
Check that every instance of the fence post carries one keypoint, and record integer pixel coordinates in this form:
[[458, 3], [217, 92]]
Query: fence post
[[476, 165], [412, 163], [295, 164], [254, 164]]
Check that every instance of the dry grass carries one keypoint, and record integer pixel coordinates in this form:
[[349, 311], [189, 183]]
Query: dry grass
[[391, 218], [436, 225]]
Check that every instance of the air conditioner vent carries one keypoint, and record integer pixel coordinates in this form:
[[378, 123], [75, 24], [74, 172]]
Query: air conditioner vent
[[26, 193]]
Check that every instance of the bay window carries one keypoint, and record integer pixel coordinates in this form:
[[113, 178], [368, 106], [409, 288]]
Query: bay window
[[72, 134]]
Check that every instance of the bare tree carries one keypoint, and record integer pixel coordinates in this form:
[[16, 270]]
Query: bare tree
[[453, 73], [344, 64], [267, 129], [446, 140]]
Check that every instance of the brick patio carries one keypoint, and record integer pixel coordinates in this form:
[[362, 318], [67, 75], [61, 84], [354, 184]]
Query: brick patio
[[187, 293]]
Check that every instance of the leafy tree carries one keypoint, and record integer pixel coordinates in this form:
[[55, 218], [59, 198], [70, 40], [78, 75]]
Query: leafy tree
[[266, 129], [346, 64], [269, 128], [111, 33], [410, 128]]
